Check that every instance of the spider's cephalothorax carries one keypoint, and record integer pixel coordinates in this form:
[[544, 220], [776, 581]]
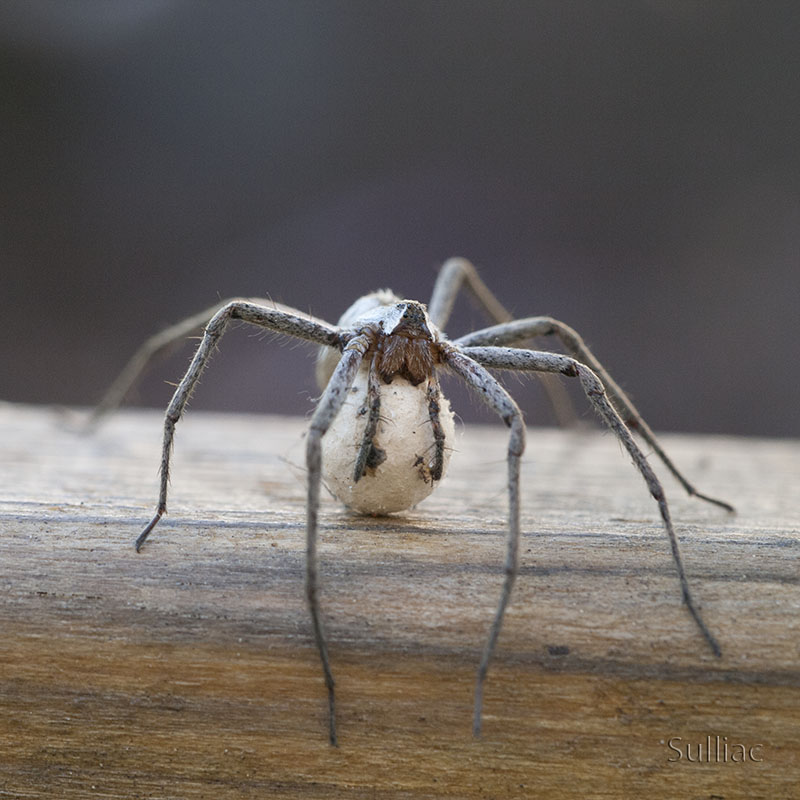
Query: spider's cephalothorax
[[390, 443], [380, 432]]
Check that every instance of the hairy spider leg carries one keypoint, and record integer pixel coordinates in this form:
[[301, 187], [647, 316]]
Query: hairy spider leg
[[161, 343], [516, 332], [492, 393], [329, 406], [271, 318], [456, 273], [533, 361], [414, 355]]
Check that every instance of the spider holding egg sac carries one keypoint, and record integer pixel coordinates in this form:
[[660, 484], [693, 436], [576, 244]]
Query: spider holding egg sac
[[381, 362]]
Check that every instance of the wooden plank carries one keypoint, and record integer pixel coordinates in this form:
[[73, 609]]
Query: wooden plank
[[189, 671]]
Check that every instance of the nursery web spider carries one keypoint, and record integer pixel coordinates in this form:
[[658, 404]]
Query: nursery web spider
[[383, 360]]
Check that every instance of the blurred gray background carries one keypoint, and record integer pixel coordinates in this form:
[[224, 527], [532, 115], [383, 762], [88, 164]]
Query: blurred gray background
[[632, 168]]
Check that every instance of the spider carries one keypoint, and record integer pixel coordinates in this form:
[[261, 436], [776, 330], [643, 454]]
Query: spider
[[388, 448]]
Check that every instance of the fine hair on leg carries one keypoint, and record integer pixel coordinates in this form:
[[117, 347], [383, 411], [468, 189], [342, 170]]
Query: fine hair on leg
[[494, 395], [390, 338], [518, 331], [533, 361], [162, 343], [270, 318], [456, 273], [332, 400]]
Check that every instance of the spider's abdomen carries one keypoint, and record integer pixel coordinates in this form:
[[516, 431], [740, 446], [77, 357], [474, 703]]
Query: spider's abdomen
[[401, 471]]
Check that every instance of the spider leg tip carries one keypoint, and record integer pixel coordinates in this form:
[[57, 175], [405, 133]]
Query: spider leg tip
[[713, 644], [721, 503]]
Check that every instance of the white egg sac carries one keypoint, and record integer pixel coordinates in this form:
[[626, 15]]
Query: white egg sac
[[404, 434]]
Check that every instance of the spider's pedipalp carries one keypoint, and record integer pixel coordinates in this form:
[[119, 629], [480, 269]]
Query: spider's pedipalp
[[436, 403], [369, 454]]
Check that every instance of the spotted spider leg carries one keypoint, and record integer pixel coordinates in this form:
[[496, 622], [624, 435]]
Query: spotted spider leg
[[458, 273], [270, 318], [492, 393], [162, 342], [533, 361], [512, 333]]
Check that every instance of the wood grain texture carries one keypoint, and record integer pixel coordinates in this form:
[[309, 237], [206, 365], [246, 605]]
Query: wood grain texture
[[189, 671]]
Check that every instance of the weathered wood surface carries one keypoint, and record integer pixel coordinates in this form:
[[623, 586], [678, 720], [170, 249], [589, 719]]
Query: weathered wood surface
[[189, 671]]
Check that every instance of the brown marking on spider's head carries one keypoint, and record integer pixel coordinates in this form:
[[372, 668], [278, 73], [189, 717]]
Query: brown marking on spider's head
[[409, 349]]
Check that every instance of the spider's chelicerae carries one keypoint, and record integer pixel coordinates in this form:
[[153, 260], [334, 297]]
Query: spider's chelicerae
[[381, 362]]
